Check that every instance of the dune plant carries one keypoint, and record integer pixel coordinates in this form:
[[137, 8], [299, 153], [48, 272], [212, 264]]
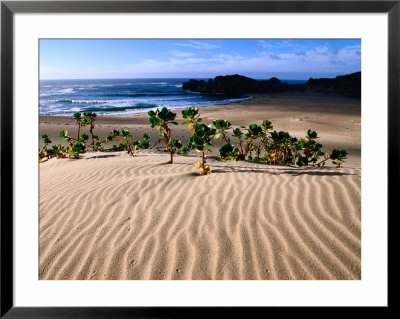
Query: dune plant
[[281, 148], [80, 121], [337, 156], [229, 152], [253, 133], [202, 138], [191, 116], [311, 149], [89, 119], [237, 134], [58, 150], [44, 151], [76, 147], [131, 145], [221, 126], [162, 119]]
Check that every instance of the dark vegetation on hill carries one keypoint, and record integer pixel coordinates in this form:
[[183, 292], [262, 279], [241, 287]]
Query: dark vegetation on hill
[[235, 85]]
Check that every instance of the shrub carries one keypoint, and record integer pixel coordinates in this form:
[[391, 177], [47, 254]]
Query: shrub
[[89, 118], [229, 152], [131, 145], [221, 126], [75, 149], [161, 120], [281, 149], [202, 138], [311, 149], [253, 133], [192, 116], [80, 121], [337, 156]]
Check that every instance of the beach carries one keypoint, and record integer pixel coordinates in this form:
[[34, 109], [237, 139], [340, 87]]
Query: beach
[[110, 216]]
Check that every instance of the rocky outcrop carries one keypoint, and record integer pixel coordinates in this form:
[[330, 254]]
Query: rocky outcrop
[[235, 85], [346, 85]]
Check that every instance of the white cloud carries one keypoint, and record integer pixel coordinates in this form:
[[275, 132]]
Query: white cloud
[[181, 53], [317, 60], [198, 45]]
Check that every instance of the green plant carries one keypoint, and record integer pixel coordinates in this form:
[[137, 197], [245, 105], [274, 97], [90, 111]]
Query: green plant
[[75, 149], [161, 119], [337, 156], [253, 133], [89, 118], [191, 116], [44, 151], [202, 138], [80, 121], [281, 149], [221, 126], [237, 134], [229, 152], [128, 143], [311, 149]]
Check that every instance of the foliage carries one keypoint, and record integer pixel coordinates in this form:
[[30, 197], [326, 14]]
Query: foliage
[[161, 119], [311, 149], [89, 118], [202, 137], [221, 126], [131, 145], [229, 152]]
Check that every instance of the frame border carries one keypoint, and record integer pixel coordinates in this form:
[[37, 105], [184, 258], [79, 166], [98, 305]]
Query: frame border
[[9, 8]]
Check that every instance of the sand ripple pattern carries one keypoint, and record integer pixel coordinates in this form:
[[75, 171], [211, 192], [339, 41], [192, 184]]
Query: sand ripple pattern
[[116, 217]]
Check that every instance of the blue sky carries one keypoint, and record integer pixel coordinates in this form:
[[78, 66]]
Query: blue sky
[[198, 58]]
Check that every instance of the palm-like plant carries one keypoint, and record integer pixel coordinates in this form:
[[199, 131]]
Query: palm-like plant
[[202, 138], [161, 119]]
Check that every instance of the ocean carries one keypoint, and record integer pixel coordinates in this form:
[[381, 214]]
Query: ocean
[[121, 96]]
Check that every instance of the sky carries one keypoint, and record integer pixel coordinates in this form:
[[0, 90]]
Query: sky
[[297, 59]]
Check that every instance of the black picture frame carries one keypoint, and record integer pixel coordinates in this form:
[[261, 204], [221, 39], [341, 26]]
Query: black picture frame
[[9, 8]]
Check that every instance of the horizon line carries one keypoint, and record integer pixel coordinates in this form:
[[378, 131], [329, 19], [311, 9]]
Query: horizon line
[[132, 78]]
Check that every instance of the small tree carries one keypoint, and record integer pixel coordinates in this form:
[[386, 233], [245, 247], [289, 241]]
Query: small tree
[[311, 149], [253, 133], [89, 119], [337, 156], [131, 145], [202, 138], [221, 126], [161, 120], [80, 121]]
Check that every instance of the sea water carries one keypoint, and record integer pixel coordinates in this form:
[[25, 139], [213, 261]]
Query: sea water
[[121, 96]]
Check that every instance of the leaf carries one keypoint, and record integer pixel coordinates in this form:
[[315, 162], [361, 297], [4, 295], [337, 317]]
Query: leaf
[[199, 164], [217, 135], [190, 125], [120, 140]]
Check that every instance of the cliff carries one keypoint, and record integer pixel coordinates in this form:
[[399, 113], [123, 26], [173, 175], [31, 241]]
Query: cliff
[[346, 85], [236, 85]]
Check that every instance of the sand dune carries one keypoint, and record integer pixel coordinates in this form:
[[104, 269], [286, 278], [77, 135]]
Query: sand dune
[[111, 216], [139, 218]]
